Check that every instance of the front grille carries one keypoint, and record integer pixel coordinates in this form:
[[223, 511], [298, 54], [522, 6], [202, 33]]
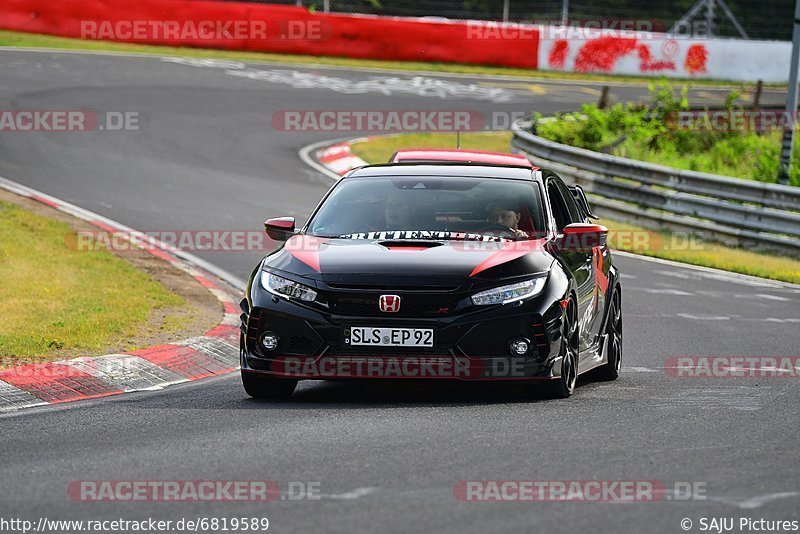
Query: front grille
[[411, 305]]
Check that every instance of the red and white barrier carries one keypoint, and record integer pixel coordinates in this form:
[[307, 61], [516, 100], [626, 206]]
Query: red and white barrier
[[286, 29], [338, 158], [660, 55], [295, 30]]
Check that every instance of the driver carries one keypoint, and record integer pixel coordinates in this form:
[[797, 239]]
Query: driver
[[506, 213]]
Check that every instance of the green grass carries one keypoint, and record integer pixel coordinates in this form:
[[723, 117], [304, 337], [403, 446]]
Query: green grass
[[378, 150], [706, 254], [10, 38], [56, 301]]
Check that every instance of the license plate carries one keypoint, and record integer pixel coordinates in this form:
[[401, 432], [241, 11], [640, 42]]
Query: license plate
[[388, 337]]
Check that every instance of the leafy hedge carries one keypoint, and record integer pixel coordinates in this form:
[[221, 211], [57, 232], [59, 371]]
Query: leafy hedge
[[652, 133]]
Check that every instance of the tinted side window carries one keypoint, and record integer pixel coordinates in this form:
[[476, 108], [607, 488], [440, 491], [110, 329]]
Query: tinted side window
[[572, 206], [564, 209]]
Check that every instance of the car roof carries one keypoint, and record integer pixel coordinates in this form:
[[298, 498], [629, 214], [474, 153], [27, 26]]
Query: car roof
[[461, 155], [444, 169]]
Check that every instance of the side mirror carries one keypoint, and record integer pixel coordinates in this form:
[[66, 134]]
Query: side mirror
[[279, 228], [582, 237]]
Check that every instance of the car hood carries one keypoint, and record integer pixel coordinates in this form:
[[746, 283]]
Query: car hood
[[360, 260]]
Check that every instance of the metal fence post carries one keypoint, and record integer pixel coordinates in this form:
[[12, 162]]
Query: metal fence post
[[791, 103]]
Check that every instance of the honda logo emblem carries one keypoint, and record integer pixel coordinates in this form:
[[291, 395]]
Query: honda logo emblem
[[389, 303]]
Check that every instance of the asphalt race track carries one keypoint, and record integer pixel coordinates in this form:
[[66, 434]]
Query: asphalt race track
[[386, 457]]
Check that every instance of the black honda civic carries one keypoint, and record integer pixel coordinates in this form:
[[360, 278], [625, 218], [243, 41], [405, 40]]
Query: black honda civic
[[436, 271]]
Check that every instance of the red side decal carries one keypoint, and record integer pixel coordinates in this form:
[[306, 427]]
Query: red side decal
[[602, 279]]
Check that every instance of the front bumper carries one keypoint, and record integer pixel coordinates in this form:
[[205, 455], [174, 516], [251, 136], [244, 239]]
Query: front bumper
[[469, 346]]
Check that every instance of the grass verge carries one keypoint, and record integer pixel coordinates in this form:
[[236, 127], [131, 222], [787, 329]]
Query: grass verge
[[11, 38], [704, 253], [380, 148], [58, 302]]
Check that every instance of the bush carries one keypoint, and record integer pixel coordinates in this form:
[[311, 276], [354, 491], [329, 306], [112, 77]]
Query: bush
[[651, 133]]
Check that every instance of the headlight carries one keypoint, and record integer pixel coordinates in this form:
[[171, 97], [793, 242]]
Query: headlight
[[286, 288], [510, 293]]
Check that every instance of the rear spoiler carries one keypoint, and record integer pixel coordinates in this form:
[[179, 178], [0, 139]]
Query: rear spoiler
[[580, 200]]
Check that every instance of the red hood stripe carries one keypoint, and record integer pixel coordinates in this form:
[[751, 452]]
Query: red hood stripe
[[306, 249], [511, 250]]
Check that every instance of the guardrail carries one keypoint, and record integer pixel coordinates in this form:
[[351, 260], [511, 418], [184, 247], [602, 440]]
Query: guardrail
[[739, 212]]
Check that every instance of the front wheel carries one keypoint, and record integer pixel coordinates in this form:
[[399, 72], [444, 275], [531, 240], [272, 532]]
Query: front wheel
[[261, 386]]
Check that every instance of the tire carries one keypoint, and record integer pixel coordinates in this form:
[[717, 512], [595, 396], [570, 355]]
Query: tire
[[610, 370], [564, 386], [260, 386]]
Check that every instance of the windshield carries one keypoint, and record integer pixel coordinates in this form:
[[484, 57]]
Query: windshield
[[431, 208]]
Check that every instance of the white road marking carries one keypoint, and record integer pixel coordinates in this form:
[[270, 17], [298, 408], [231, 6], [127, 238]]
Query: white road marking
[[744, 398], [771, 297], [693, 317], [703, 317], [639, 370], [677, 292], [674, 274], [756, 502], [350, 495], [387, 85]]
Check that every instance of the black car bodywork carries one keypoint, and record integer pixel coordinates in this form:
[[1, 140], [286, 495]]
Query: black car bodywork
[[571, 326]]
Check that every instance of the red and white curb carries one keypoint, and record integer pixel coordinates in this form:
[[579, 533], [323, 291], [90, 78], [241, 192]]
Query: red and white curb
[[215, 352], [338, 158]]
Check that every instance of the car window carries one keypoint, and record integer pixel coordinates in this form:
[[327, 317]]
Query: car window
[[572, 206], [486, 206], [565, 211]]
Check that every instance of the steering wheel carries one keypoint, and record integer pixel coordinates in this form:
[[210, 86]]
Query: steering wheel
[[497, 228]]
